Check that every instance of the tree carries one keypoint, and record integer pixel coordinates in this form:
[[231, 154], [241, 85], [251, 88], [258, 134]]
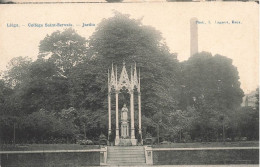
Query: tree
[[244, 122], [181, 122], [44, 126], [66, 49], [7, 112], [15, 77], [17, 71], [43, 84], [45, 89], [214, 79], [5, 98], [211, 85], [257, 99]]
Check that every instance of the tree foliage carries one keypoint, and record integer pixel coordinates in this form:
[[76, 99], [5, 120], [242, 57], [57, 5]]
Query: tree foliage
[[66, 49], [211, 85], [17, 71], [63, 94], [214, 79]]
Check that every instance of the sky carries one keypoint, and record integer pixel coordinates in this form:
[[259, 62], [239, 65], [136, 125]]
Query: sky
[[91, 1], [236, 41]]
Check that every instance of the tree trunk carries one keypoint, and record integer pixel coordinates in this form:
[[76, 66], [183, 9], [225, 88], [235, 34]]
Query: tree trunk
[[14, 135], [85, 136], [180, 136], [158, 134]]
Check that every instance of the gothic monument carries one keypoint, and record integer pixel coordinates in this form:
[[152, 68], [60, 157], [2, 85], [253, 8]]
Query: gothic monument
[[130, 85]]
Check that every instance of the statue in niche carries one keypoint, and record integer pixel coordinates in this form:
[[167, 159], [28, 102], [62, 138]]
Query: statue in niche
[[124, 113], [124, 122]]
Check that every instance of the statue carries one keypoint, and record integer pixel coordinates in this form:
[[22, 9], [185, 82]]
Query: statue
[[124, 122], [124, 113]]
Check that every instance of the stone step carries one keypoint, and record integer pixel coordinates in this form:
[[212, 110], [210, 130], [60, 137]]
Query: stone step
[[117, 149], [130, 147], [128, 164], [133, 155], [126, 161], [125, 152], [125, 155], [126, 149], [125, 158], [112, 151], [118, 157]]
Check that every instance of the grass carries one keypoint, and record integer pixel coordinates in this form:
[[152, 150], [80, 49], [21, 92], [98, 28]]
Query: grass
[[209, 144], [39, 147], [206, 157]]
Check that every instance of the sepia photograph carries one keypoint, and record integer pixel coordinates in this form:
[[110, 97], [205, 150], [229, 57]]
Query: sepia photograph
[[129, 84]]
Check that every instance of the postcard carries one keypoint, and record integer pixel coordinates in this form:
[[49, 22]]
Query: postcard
[[89, 84]]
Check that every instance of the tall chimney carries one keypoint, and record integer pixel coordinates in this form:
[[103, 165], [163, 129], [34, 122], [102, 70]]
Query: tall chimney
[[193, 36]]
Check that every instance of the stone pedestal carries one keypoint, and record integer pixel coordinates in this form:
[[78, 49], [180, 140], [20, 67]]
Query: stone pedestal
[[134, 142], [117, 141], [124, 130], [126, 142]]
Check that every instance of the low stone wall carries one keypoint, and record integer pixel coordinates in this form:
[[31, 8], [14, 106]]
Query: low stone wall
[[205, 156], [50, 159]]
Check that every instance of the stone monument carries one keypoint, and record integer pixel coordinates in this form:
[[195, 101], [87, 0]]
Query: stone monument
[[130, 85]]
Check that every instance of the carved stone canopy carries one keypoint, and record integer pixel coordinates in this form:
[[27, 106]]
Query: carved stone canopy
[[124, 83]]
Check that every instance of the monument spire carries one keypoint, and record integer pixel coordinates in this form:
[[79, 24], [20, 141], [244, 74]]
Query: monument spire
[[135, 78], [112, 82], [108, 81], [139, 82], [132, 83], [124, 82], [116, 78]]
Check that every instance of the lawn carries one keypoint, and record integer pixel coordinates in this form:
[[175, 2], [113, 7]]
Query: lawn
[[39, 147], [209, 144]]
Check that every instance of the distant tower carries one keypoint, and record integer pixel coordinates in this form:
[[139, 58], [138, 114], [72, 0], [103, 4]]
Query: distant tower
[[193, 36]]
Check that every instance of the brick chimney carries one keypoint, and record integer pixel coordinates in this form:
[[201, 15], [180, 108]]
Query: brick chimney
[[193, 36]]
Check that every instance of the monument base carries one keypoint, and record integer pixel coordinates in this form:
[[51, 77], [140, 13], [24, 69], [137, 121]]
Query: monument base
[[117, 141], [134, 142], [125, 142]]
